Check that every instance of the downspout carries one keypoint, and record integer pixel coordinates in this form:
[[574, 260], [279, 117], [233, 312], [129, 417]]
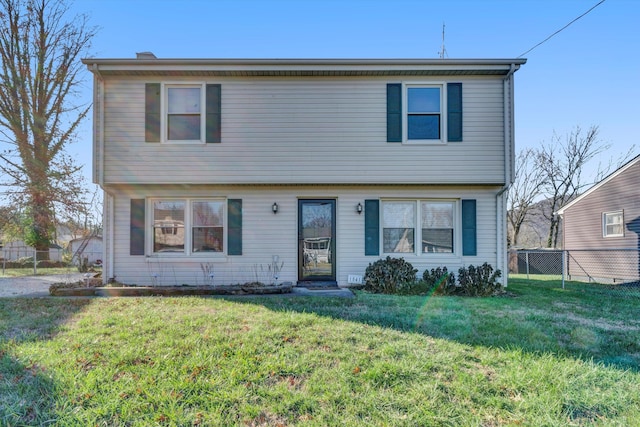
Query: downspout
[[98, 100], [108, 213], [509, 174]]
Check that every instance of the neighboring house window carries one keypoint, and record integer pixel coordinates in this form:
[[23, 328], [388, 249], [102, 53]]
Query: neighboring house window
[[613, 224], [436, 232], [188, 226], [184, 113]]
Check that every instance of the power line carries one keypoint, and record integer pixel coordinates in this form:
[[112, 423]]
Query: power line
[[563, 28]]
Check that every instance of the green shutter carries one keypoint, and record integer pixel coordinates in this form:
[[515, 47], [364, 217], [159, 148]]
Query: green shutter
[[371, 227], [234, 221], [469, 226], [454, 112], [394, 112], [152, 112], [213, 113], [136, 224]]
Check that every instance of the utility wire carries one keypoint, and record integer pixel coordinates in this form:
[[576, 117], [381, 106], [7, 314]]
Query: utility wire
[[561, 29]]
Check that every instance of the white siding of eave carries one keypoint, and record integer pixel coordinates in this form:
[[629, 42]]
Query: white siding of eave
[[316, 131], [266, 234]]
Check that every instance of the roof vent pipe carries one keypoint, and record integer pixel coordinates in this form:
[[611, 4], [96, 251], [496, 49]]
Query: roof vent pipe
[[145, 55]]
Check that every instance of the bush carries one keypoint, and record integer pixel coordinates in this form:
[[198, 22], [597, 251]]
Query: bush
[[439, 280], [389, 276], [472, 281], [479, 281]]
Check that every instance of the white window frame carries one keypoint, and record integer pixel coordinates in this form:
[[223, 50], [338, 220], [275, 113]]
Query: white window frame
[[454, 224], [164, 121], [604, 223], [417, 233], [443, 109], [188, 228]]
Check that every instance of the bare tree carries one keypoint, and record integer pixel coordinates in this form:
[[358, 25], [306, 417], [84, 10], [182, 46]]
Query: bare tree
[[523, 193], [561, 162], [40, 75]]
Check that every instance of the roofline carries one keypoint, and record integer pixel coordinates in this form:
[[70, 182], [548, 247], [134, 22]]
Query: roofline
[[301, 61], [599, 184], [300, 66]]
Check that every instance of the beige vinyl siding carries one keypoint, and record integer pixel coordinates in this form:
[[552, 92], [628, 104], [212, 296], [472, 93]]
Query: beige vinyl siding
[[304, 131], [266, 234], [583, 221]]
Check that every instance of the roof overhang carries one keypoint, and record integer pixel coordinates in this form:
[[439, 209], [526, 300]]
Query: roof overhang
[[301, 67]]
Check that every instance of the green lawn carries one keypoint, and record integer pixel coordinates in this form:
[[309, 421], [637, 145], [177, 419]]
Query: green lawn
[[542, 356]]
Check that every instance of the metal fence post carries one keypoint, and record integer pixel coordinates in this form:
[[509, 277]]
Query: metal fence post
[[35, 263], [526, 261], [563, 253]]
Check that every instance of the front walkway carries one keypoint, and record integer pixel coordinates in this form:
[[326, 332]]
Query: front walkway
[[34, 286]]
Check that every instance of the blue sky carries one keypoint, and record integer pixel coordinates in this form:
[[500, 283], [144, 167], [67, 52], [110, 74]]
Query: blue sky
[[588, 74]]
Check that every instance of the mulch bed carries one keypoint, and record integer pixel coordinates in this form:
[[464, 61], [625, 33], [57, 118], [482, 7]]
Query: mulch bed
[[92, 289]]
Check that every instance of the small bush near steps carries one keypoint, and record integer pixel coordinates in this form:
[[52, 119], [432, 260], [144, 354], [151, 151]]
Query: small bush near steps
[[389, 276]]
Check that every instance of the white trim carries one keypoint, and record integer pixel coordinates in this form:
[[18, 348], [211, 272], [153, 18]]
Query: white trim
[[604, 223], [188, 252], [417, 227], [164, 108], [443, 109]]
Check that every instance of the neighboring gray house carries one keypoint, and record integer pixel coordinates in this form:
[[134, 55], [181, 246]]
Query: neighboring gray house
[[325, 165], [604, 218]]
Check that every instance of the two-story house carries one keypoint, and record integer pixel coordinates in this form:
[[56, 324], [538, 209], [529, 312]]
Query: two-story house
[[222, 166]]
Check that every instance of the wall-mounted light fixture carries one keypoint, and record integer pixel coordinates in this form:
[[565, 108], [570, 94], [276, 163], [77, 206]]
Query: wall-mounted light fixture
[[274, 208], [359, 208]]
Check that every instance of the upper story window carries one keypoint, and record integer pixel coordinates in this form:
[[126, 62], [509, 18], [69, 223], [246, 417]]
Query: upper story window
[[184, 113], [429, 112], [613, 224], [424, 118]]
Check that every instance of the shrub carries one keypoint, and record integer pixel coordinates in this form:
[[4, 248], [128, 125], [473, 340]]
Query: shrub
[[479, 281], [439, 280], [389, 276]]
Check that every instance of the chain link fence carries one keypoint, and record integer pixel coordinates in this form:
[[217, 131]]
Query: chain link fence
[[23, 261], [611, 269]]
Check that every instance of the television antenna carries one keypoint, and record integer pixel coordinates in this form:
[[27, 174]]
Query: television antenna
[[443, 51]]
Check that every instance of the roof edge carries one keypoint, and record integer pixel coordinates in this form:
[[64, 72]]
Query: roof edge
[[303, 61], [599, 184]]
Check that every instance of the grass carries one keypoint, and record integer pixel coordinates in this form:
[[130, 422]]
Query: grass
[[543, 356]]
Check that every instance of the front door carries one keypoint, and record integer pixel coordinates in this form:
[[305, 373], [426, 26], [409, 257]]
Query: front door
[[316, 240]]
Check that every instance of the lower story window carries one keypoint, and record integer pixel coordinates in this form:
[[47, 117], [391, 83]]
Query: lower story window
[[613, 224], [188, 226], [398, 227], [437, 227], [436, 233]]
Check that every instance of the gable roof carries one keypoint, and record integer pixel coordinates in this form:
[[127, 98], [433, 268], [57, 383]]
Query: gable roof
[[611, 176], [147, 66]]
